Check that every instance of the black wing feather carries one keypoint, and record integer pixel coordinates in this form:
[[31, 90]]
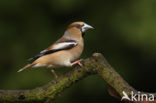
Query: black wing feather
[[46, 52]]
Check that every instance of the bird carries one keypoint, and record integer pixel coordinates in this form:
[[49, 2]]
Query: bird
[[64, 52]]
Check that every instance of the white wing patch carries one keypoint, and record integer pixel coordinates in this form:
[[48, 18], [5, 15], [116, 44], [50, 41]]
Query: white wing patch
[[43, 51], [64, 45], [56, 48]]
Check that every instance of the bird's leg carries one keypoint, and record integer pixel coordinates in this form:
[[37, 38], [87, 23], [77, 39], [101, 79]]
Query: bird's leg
[[77, 62], [54, 73]]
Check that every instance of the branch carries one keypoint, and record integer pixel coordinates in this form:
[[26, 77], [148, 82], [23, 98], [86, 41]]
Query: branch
[[93, 65]]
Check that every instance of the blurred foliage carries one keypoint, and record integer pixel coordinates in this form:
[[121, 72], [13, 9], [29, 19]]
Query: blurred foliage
[[124, 32]]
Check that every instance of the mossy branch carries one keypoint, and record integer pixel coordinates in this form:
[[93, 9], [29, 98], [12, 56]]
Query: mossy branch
[[45, 94]]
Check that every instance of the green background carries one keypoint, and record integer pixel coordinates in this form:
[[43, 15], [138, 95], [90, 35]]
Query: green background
[[125, 32]]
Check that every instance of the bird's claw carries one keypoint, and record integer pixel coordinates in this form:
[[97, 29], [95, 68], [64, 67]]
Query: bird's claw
[[78, 62]]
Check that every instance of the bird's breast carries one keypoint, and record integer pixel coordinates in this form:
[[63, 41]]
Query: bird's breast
[[76, 52]]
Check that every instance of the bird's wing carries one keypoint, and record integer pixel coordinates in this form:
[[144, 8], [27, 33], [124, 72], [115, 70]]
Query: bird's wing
[[55, 48]]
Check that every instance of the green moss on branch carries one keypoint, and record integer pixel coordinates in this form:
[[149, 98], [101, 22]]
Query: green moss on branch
[[45, 94]]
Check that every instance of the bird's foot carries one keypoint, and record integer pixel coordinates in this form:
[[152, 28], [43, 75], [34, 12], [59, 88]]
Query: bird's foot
[[54, 73], [77, 62]]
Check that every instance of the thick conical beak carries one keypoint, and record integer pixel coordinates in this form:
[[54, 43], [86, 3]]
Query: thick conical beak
[[86, 27]]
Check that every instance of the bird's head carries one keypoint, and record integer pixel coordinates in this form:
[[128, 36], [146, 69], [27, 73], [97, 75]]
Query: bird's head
[[78, 28]]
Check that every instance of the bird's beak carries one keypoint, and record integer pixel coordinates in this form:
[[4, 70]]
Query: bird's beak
[[86, 27]]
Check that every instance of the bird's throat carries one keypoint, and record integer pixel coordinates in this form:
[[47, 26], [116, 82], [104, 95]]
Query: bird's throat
[[83, 34]]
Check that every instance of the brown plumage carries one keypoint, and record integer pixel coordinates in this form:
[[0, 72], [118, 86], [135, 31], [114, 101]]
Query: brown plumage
[[64, 51]]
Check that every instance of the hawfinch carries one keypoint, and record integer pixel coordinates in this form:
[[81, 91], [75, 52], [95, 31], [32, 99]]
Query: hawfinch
[[64, 51]]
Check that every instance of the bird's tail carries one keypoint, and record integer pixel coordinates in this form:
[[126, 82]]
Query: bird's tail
[[25, 67]]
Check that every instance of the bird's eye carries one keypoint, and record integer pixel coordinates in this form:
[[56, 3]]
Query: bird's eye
[[78, 26]]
